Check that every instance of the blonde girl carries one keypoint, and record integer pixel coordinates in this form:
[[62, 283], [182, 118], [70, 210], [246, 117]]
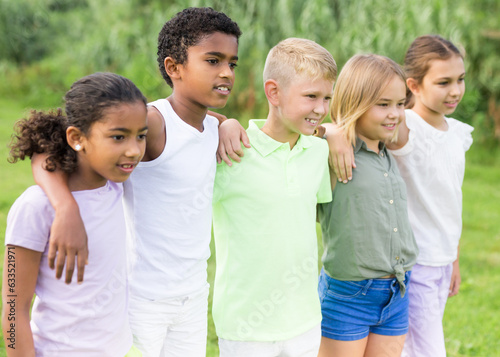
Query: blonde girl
[[98, 143], [430, 152], [369, 245]]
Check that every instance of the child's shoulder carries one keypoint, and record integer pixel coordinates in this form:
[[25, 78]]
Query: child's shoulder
[[32, 201], [34, 196], [459, 125], [413, 120], [29, 220], [317, 144], [462, 131], [213, 121]]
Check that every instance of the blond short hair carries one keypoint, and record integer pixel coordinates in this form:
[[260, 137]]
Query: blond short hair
[[299, 56], [359, 87]]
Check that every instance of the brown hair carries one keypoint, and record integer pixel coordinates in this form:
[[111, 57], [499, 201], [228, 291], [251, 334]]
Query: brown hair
[[86, 103], [422, 51]]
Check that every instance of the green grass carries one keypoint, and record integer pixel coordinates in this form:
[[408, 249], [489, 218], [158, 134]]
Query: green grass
[[471, 318]]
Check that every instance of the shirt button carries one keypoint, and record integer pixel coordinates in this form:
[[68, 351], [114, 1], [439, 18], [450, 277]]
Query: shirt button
[[391, 202], [386, 174], [382, 154], [395, 229]]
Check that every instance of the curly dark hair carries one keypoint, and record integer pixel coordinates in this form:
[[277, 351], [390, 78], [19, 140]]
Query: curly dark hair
[[187, 28], [86, 103]]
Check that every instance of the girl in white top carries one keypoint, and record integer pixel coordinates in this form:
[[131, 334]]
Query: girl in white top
[[98, 143], [430, 153]]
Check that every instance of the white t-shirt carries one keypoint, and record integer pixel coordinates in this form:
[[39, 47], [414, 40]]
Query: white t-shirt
[[432, 164], [84, 320], [168, 207]]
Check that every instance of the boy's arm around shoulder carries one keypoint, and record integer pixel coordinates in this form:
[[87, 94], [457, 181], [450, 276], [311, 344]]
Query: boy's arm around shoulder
[[341, 156], [20, 273], [68, 238], [231, 135]]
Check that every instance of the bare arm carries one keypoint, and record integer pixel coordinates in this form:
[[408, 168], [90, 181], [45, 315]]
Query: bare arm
[[341, 156], [68, 238], [231, 133], [20, 273]]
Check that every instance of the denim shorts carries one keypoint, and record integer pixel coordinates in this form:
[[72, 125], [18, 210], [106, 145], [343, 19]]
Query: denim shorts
[[353, 309]]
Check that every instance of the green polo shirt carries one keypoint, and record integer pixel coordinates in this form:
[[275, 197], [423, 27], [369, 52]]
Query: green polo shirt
[[366, 231], [264, 217]]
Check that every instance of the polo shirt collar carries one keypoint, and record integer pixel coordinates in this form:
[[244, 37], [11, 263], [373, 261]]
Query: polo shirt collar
[[265, 145], [361, 144]]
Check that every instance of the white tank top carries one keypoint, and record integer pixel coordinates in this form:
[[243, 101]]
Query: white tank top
[[168, 208]]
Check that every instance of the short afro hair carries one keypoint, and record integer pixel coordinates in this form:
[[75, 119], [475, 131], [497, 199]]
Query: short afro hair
[[187, 28]]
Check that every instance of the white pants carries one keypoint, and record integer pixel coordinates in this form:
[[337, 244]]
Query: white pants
[[175, 327], [304, 345], [428, 292]]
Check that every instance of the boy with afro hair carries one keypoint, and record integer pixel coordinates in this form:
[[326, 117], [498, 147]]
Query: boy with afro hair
[[168, 199]]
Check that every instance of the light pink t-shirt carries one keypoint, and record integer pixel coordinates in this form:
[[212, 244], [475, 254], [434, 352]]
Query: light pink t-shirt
[[78, 320]]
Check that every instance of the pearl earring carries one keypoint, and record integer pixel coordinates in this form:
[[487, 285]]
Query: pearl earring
[[78, 147]]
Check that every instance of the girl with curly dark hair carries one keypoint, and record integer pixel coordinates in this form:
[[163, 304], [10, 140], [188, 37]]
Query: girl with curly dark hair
[[97, 143]]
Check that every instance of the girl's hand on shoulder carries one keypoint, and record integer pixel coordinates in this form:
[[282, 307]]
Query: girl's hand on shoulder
[[231, 135], [456, 279]]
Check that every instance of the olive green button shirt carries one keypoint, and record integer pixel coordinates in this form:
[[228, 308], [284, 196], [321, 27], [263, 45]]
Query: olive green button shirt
[[366, 231]]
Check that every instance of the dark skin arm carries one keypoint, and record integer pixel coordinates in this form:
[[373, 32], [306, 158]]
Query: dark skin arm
[[68, 238], [231, 134]]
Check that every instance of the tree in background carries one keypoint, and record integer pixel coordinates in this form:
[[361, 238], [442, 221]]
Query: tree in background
[[49, 43]]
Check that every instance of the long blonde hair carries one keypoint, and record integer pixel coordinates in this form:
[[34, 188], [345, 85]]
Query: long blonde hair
[[359, 87]]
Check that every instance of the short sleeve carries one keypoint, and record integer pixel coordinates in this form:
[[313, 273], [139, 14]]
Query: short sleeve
[[221, 181], [29, 220], [219, 175], [324, 194], [466, 135]]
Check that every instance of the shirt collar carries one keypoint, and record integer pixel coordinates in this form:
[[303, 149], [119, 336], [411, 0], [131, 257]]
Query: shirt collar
[[361, 144], [265, 145]]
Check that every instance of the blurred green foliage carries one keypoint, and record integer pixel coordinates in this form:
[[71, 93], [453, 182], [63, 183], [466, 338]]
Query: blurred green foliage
[[48, 44]]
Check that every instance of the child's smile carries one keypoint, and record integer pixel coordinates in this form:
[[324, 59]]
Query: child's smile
[[113, 147], [380, 122], [207, 77]]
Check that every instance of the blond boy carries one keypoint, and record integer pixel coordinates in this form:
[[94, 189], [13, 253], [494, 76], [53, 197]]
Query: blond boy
[[265, 294]]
